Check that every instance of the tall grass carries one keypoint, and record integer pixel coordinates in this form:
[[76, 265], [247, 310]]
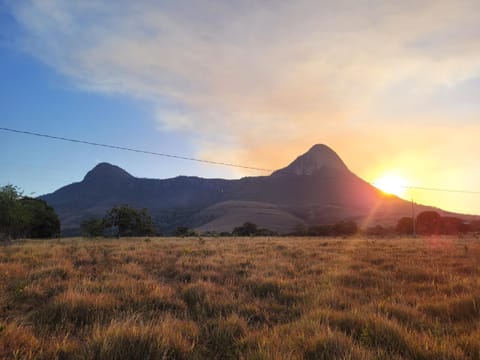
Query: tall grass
[[226, 298]]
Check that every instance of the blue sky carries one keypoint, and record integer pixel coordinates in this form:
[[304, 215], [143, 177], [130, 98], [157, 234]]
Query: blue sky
[[393, 87], [35, 97]]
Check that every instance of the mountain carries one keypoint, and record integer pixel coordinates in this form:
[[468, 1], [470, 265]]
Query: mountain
[[316, 188]]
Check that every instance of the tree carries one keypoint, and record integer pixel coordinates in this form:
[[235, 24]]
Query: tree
[[41, 221], [92, 227], [429, 223], [26, 217], [124, 220], [404, 226], [11, 214]]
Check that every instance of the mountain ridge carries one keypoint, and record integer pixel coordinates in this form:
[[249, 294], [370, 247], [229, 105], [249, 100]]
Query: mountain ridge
[[317, 187]]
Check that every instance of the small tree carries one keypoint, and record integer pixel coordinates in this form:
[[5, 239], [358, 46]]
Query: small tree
[[124, 220]]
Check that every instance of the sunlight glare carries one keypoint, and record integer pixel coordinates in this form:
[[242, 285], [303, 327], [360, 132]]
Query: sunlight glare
[[391, 184]]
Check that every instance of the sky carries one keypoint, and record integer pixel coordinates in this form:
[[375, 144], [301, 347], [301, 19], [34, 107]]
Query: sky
[[392, 86]]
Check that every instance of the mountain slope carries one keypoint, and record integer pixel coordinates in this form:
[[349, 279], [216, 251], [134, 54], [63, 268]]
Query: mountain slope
[[220, 216], [315, 188]]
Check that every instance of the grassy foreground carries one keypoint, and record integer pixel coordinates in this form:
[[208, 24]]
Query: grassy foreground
[[249, 298]]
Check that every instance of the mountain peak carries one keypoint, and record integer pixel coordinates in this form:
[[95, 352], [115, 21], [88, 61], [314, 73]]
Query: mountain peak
[[107, 172], [319, 156]]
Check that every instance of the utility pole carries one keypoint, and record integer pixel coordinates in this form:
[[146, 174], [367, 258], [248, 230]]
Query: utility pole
[[413, 219]]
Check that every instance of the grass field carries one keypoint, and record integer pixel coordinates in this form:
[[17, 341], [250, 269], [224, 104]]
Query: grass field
[[245, 298]]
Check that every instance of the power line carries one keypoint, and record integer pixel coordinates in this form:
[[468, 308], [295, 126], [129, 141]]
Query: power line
[[200, 160], [134, 150], [434, 189], [441, 190]]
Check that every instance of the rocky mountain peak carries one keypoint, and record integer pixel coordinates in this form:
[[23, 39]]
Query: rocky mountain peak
[[107, 172], [319, 156]]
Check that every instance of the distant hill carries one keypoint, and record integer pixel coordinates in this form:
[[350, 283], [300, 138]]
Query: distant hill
[[316, 188]]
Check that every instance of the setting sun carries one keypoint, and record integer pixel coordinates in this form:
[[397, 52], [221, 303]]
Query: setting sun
[[391, 184]]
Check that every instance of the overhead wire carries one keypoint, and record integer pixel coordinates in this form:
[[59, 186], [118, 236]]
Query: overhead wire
[[124, 148], [212, 162]]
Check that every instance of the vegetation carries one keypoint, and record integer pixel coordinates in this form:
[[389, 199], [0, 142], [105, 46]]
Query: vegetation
[[124, 220], [119, 221], [341, 228], [92, 227], [240, 298], [22, 216], [183, 231], [431, 223], [251, 229], [404, 226]]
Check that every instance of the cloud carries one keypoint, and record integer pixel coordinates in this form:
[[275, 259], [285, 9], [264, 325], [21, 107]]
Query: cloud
[[236, 75]]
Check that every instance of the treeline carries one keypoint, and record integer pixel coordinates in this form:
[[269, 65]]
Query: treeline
[[432, 223], [426, 223], [25, 217], [247, 229]]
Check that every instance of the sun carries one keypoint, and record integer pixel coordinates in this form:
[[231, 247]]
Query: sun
[[391, 184]]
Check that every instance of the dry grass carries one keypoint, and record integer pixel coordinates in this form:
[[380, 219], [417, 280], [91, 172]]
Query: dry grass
[[248, 298]]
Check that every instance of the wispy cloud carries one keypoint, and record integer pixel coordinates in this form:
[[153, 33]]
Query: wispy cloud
[[268, 73]]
